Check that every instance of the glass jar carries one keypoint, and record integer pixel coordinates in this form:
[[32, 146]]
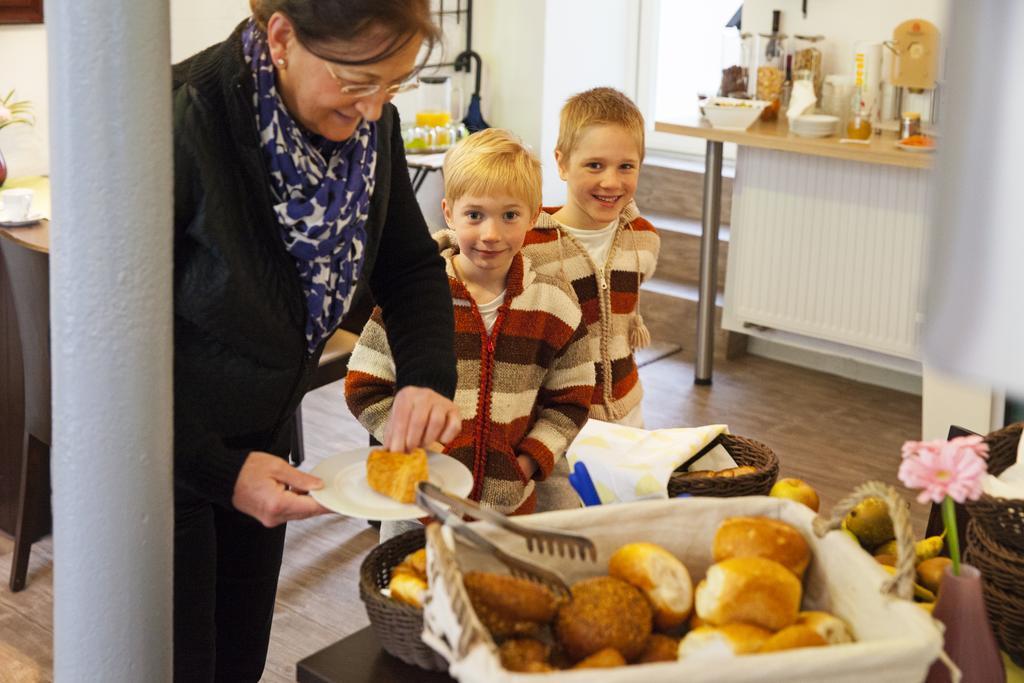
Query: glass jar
[[807, 56], [770, 74], [736, 53]]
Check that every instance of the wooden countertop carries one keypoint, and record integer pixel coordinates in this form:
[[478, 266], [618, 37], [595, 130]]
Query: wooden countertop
[[37, 236], [775, 135]]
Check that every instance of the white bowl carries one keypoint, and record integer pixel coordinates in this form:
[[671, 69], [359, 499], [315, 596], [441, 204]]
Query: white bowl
[[729, 113]]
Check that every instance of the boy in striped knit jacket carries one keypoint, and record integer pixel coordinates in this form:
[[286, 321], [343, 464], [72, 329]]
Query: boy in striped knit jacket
[[599, 243], [525, 373]]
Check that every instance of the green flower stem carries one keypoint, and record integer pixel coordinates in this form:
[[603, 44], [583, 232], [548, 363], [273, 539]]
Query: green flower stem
[[952, 540]]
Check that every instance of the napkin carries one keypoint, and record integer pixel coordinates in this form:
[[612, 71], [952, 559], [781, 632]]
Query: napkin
[[1009, 484], [627, 464], [802, 100]]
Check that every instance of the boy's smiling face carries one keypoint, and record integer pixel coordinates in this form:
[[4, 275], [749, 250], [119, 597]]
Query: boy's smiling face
[[490, 232], [601, 174]]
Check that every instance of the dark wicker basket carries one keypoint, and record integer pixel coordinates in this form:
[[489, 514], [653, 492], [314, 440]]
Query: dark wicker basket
[[745, 452], [1003, 572], [398, 626], [1001, 518]]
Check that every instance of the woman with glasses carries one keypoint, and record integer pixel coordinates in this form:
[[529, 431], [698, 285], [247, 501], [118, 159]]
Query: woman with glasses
[[291, 195]]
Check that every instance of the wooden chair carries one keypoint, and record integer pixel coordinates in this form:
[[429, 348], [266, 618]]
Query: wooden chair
[[28, 272]]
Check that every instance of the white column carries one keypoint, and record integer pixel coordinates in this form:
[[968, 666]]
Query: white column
[[111, 336]]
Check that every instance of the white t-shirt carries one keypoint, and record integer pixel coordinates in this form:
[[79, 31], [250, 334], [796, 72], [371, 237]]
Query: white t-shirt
[[597, 242], [489, 311]]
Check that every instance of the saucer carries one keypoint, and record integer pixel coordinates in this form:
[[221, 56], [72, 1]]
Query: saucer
[[31, 219]]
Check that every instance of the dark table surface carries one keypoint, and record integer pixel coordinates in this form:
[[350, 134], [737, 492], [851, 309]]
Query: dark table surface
[[360, 659]]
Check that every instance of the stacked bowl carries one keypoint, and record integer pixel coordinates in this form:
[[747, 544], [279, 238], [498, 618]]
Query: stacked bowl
[[814, 125]]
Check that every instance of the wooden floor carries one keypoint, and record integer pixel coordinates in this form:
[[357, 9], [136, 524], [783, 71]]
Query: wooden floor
[[833, 432]]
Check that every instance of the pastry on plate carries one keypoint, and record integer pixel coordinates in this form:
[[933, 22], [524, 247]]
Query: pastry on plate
[[397, 474]]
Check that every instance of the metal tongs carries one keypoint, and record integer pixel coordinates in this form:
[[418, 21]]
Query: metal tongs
[[434, 500]]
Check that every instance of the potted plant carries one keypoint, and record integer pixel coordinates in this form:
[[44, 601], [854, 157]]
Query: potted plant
[[13, 112]]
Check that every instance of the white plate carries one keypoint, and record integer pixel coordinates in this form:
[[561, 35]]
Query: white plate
[[31, 219], [915, 148], [347, 491]]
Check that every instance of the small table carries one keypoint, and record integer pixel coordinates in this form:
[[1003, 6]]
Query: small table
[[360, 659], [766, 135], [424, 164]]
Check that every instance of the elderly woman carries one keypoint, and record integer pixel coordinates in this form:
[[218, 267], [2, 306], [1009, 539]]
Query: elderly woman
[[291, 194]]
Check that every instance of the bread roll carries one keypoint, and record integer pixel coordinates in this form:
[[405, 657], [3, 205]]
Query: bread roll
[[521, 654], [793, 637], [662, 578], [752, 590], [660, 648], [414, 564], [510, 597], [408, 588], [830, 627], [604, 612], [762, 537], [602, 659], [396, 474], [736, 471], [711, 642]]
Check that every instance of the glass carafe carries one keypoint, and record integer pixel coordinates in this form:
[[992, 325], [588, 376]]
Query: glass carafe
[[436, 105]]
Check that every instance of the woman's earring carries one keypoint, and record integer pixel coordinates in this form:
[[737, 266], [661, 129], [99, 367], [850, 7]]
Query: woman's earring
[[281, 62]]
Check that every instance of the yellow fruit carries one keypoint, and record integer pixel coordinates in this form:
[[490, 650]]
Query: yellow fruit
[[871, 523], [928, 607], [796, 489], [888, 560], [928, 548], [931, 571], [887, 548], [921, 594]]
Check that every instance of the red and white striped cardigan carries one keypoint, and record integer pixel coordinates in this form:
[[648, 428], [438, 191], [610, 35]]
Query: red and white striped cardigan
[[525, 388], [608, 293]]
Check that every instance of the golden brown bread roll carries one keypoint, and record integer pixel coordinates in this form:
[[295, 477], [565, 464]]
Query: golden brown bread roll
[[660, 648], [604, 612], [408, 588], [762, 537], [662, 578], [830, 627], [792, 637], [736, 471], [602, 659], [503, 627], [521, 654], [752, 590], [715, 642], [396, 474], [414, 564], [510, 597]]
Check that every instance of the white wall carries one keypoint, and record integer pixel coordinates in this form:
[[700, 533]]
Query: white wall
[[23, 56], [195, 24]]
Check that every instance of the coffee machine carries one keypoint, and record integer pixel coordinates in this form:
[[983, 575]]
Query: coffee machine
[[912, 85]]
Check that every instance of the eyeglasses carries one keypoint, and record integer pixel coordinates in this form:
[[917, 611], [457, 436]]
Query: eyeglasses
[[367, 89]]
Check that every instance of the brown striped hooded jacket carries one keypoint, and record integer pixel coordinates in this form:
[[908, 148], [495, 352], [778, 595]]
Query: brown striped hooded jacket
[[609, 297], [523, 389]]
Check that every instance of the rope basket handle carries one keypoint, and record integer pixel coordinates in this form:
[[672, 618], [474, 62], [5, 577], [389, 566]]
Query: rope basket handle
[[902, 583]]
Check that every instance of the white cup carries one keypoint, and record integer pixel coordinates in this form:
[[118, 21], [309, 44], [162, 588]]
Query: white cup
[[17, 203]]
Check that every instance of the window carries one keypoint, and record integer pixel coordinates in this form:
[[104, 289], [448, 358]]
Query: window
[[683, 47]]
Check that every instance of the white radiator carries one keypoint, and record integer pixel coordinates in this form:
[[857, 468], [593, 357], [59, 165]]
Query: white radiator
[[826, 248]]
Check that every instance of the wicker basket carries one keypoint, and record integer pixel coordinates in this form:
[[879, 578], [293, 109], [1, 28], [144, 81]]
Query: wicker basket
[[745, 452], [1003, 570], [1001, 518], [398, 626]]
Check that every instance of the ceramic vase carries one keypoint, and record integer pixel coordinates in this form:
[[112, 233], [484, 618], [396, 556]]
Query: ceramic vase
[[969, 641]]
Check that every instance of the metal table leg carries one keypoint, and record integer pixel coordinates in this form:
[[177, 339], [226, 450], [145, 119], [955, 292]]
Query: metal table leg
[[418, 176], [708, 262]]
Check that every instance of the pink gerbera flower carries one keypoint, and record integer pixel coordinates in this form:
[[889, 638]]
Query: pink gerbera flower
[[952, 468]]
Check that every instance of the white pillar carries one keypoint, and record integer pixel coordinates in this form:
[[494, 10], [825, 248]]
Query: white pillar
[[111, 337]]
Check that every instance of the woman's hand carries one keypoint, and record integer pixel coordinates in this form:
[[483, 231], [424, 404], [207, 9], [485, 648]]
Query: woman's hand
[[274, 492], [420, 416]]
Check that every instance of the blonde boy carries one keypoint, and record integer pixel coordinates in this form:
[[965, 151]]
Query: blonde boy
[[525, 374], [599, 243]]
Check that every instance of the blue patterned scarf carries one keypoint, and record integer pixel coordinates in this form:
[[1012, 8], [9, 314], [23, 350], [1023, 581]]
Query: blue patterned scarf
[[322, 195]]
